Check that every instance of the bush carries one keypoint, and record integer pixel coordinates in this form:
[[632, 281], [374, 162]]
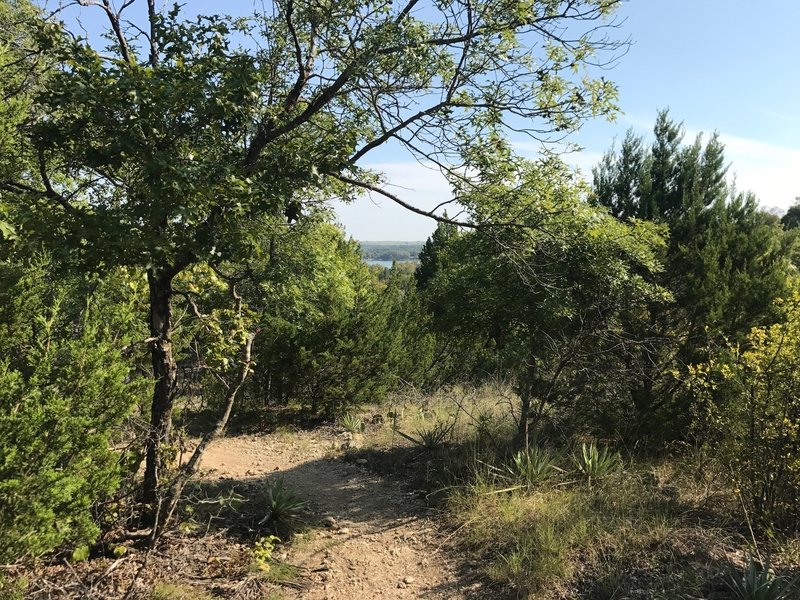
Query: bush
[[749, 403], [760, 583], [594, 462], [533, 466], [282, 507], [63, 391]]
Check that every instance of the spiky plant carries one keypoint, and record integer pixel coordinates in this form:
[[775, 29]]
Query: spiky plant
[[430, 438], [594, 462], [758, 582], [533, 466], [282, 507], [351, 423]]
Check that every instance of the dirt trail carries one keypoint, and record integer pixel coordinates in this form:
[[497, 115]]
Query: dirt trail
[[383, 542]]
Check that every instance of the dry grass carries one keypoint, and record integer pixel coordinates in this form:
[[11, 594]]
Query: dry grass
[[666, 528]]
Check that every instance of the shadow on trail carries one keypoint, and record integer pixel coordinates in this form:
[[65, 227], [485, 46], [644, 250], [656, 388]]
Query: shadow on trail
[[363, 503]]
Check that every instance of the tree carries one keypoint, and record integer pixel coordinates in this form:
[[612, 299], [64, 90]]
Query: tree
[[158, 151], [725, 262], [791, 219], [546, 297], [332, 337]]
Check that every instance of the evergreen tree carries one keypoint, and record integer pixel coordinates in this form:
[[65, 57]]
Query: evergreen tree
[[725, 262]]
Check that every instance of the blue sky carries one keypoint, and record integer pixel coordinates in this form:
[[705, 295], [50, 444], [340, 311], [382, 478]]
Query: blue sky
[[729, 66]]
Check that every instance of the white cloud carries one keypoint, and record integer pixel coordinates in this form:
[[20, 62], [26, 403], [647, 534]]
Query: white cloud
[[770, 171], [375, 217]]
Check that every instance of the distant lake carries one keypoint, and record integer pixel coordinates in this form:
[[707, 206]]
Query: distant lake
[[387, 264]]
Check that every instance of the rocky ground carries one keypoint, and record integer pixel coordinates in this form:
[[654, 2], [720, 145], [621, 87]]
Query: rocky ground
[[366, 536]]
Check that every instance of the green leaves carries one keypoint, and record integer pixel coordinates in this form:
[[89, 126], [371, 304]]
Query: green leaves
[[64, 389]]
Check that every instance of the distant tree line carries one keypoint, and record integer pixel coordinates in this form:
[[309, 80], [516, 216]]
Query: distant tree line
[[399, 251]]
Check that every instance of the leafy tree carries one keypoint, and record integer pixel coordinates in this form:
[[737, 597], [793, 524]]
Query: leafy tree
[[158, 152], [545, 296], [331, 337]]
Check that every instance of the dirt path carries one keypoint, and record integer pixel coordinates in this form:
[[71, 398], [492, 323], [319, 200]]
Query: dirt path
[[382, 542]]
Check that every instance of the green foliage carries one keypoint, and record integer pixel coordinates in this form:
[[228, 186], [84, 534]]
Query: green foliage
[[334, 337], [747, 401], [262, 551], [170, 155], [725, 263], [281, 505], [537, 304], [177, 591], [594, 462], [351, 423], [533, 466], [64, 390], [758, 582], [12, 589], [563, 538]]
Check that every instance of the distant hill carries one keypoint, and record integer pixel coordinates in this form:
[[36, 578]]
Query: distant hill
[[391, 250]]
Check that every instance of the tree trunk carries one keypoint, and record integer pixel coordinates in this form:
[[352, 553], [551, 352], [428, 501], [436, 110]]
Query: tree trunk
[[165, 374], [526, 390], [190, 468]]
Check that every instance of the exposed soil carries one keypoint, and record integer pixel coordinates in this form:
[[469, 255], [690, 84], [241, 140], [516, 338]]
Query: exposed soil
[[368, 536], [379, 540]]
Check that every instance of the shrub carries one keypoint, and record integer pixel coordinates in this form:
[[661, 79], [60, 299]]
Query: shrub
[[352, 423], [64, 389], [533, 466], [749, 405], [760, 583], [430, 438], [280, 504]]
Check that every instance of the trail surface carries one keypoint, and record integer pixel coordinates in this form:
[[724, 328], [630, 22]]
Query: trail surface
[[379, 541]]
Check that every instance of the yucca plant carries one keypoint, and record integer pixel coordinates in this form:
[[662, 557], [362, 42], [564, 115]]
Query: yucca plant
[[760, 583], [351, 423], [594, 462], [430, 438], [281, 505], [533, 466]]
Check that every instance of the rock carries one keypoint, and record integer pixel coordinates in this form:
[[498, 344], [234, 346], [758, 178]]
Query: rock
[[401, 585], [344, 530], [361, 461], [329, 522], [408, 580]]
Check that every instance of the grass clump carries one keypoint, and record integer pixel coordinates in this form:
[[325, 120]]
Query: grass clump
[[549, 541], [176, 591]]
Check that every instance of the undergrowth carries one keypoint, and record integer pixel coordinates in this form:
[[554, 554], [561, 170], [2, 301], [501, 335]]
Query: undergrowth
[[574, 519]]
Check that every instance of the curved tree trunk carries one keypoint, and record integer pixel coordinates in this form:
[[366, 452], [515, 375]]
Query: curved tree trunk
[[165, 373]]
